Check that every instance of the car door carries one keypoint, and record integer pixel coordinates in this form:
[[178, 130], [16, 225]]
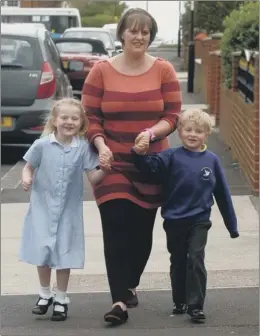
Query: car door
[[63, 88]]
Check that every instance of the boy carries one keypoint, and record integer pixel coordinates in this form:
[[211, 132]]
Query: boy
[[190, 176]]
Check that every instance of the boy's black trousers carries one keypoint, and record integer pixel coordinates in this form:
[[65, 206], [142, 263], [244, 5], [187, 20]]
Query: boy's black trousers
[[186, 241]]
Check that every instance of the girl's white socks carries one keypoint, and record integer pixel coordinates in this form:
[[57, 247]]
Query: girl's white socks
[[45, 293], [62, 298]]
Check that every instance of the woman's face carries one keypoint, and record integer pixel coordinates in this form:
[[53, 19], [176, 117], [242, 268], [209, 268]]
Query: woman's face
[[136, 40]]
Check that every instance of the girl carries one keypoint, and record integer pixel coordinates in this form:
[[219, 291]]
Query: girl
[[53, 234]]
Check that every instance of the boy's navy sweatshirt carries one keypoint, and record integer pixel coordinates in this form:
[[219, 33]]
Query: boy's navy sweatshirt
[[190, 180]]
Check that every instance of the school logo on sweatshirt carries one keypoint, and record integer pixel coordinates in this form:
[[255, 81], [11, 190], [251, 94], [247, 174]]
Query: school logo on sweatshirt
[[206, 173]]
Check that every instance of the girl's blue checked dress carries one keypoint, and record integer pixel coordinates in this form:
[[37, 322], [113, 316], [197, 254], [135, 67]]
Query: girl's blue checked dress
[[53, 232]]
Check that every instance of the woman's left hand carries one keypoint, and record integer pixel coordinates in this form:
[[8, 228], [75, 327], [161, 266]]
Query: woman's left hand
[[143, 141], [145, 135]]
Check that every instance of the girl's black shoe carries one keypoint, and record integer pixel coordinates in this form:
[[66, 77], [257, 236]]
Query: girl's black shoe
[[57, 315], [132, 299], [197, 315], [116, 316], [179, 309], [41, 309]]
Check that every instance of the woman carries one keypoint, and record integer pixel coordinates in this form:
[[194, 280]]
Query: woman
[[128, 97]]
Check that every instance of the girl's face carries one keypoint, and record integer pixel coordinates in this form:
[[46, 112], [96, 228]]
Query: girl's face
[[193, 137], [68, 121], [136, 40]]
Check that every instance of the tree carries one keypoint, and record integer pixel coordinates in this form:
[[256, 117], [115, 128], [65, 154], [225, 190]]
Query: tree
[[241, 32], [208, 15], [97, 13]]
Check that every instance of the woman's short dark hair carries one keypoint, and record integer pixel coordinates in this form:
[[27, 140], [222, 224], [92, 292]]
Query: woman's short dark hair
[[136, 18]]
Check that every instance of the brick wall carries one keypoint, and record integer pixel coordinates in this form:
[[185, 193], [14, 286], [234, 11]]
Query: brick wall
[[198, 48], [225, 114], [214, 88], [238, 121], [239, 127], [208, 45], [198, 76], [204, 82]]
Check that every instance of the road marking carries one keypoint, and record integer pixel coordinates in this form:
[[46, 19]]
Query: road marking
[[182, 75], [12, 178], [138, 290]]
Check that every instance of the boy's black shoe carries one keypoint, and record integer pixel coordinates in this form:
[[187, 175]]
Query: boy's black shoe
[[57, 315], [41, 309], [116, 316], [132, 299], [197, 315], [179, 309]]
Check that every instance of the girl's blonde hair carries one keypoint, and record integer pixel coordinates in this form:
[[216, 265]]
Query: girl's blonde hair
[[49, 124], [199, 117]]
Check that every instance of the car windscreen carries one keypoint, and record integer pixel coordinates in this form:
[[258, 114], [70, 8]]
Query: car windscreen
[[74, 47], [113, 33], [20, 52], [92, 34]]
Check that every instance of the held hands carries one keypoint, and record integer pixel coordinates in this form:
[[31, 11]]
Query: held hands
[[105, 158], [142, 143]]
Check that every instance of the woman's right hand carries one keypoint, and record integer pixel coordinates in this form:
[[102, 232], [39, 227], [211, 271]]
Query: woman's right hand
[[105, 157]]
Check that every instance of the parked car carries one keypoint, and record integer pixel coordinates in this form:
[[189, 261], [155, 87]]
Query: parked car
[[79, 56], [101, 34], [112, 27], [32, 78]]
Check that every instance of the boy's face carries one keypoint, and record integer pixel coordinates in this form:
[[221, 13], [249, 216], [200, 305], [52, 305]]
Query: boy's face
[[192, 136]]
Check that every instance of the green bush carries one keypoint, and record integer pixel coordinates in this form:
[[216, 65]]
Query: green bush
[[241, 32], [97, 20]]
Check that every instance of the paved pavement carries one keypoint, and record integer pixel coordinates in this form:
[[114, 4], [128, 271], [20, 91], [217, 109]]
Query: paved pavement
[[230, 312]]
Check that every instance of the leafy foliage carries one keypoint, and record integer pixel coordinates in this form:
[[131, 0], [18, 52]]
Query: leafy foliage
[[208, 15], [97, 13], [241, 32]]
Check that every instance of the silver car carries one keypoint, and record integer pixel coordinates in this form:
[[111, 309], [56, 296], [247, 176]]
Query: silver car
[[32, 78]]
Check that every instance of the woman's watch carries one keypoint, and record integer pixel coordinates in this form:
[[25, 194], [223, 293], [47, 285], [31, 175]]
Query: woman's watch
[[151, 132]]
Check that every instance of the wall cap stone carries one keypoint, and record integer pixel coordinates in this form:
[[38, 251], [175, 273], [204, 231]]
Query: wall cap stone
[[215, 53], [236, 53], [216, 36]]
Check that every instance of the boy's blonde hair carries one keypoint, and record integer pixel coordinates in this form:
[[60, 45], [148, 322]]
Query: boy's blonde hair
[[199, 117], [49, 124]]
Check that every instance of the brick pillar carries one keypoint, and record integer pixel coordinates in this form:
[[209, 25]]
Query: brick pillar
[[209, 44]]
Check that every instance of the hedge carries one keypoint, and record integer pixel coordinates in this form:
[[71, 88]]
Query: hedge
[[241, 32]]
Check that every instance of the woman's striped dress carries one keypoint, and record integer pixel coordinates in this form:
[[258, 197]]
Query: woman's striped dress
[[119, 107]]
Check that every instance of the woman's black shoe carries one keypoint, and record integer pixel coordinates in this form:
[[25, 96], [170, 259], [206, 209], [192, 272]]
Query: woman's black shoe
[[41, 309], [59, 316], [197, 315], [132, 299], [116, 316], [179, 309]]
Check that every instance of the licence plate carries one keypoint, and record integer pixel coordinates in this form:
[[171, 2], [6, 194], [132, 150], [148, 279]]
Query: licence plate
[[65, 64], [6, 122]]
